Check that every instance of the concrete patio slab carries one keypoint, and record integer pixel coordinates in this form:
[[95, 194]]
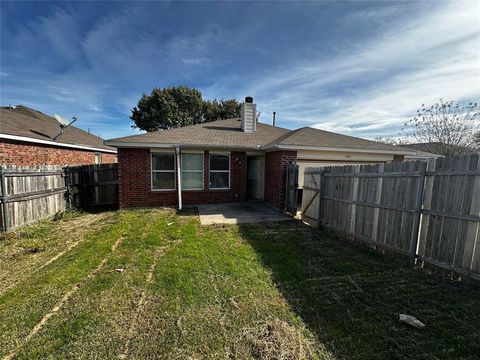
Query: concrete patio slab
[[239, 213]]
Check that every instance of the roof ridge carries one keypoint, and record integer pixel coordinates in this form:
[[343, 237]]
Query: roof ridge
[[283, 137]]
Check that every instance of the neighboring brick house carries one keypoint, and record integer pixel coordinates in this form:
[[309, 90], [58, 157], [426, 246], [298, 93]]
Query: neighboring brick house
[[27, 138], [230, 160]]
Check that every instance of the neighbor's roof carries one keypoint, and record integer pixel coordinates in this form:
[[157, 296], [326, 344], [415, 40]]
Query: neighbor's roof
[[25, 124], [227, 133]]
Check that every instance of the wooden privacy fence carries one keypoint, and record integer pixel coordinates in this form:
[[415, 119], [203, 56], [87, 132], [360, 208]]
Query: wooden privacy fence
[[28, 194], [426, 211], [291, 189], [97, 185]]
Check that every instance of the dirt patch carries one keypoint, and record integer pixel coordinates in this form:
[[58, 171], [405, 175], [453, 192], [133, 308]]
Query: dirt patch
[[272, 339]]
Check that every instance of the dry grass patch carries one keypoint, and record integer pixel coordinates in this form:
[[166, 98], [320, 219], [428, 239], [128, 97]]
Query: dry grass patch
[[272, 339]]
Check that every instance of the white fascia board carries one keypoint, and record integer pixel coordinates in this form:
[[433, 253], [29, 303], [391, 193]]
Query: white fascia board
[[53, 143], [339, 149]]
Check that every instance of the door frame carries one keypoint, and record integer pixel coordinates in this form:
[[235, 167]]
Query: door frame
[[261, 157]]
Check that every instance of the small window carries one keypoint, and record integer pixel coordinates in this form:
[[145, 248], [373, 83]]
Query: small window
[[163, 171], [192, 171], [219, 171], [98, 158]]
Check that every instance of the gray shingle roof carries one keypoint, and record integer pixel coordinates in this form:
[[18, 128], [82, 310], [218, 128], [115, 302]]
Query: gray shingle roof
[[26, 122], [216, 133], [228, 133], [308, 136]]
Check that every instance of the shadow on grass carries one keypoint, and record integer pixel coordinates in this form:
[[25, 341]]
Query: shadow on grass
[[350, 296]]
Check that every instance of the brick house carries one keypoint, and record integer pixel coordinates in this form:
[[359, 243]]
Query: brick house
[[230, 160], [29, 137]]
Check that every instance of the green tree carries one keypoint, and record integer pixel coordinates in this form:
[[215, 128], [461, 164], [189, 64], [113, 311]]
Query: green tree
[[179, 106], [220, 109]]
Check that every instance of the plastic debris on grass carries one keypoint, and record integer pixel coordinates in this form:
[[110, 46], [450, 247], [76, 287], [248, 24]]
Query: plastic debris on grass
[[411, 320]]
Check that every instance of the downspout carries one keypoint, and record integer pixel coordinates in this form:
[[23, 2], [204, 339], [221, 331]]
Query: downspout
[[179, 179]]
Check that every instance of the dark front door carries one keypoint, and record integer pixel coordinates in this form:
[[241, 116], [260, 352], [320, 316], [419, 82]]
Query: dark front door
[[255, 177]]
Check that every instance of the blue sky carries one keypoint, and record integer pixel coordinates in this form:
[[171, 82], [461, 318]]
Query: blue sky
[[359, 68]]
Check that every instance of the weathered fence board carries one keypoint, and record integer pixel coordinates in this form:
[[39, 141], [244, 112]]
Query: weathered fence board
[[30, 193], [450, 230], [430, 211], [378, 203], [310, 196]]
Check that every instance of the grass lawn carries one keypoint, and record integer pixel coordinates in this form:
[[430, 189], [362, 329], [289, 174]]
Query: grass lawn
[[155, 284]]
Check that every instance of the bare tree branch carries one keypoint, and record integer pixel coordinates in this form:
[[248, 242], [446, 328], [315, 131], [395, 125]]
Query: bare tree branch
[[452, 128]]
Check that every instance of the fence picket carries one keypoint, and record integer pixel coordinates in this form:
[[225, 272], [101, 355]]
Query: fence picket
[[425, 210], [29, 194]]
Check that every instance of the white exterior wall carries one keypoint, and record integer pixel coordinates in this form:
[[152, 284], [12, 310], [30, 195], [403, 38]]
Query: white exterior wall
[[311, 158]]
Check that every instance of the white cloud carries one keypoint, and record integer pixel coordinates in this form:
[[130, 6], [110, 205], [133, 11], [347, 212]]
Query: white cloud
[[437, 55], [195, 61]]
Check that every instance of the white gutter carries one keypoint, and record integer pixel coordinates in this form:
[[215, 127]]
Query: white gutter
[[340, 149], [179, 179], [53, 143]]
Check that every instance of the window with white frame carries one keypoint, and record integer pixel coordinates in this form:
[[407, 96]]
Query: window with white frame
[[98, 158], [192, 171], [219, 171], [163, 171]]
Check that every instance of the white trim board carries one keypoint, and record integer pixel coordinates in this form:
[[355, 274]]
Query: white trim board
[[265, 148], [54, 143], [341, 149]]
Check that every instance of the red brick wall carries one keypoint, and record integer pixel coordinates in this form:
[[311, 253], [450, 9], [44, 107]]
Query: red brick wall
[[109, 158], [135, 182], [28, 154], [275, 175]]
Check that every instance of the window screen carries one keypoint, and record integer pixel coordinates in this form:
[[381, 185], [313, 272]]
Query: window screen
[[163, 171], [192, 171], [219, 171]]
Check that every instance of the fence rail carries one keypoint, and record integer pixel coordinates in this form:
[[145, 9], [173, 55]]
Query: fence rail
[[427, 211], [28, 194]]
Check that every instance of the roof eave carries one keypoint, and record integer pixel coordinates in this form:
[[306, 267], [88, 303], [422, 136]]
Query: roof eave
[[273, 147], [126, 144], [54, 143]]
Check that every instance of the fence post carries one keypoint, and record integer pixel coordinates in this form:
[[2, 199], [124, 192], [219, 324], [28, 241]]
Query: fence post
[[320, 184], [418, 208], [3, 184]]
